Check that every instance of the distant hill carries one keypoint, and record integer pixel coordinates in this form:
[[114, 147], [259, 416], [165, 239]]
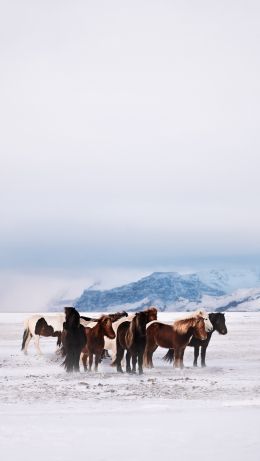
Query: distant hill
[[234, 290], [163, 289], [216, 290]]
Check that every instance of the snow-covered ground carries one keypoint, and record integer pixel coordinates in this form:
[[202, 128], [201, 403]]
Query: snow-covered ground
[[170, 414]]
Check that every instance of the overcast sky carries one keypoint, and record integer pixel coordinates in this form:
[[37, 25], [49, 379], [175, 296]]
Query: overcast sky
[[129, 138]]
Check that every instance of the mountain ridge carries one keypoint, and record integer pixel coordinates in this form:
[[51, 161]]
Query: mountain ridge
[[215, 290]]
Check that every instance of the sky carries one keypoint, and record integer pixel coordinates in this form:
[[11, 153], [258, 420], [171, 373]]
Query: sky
[[129, 141]]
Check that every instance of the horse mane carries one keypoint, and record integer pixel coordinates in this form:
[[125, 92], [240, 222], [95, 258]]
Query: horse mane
[[195, 314], [118, 315], [182, 326], [152, 310], [72, 318]]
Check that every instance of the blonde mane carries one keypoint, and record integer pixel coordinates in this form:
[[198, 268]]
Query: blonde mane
[[182, 326], [195, 314]]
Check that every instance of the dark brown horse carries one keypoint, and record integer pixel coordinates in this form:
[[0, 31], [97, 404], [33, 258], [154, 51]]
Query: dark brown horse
[[176, 336], [131, 336], [95, 341], [73, 339], [219, 325]]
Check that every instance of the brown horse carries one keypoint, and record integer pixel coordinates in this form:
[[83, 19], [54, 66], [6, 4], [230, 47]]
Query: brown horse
[[131, 336], [176, 336], [95, 341]]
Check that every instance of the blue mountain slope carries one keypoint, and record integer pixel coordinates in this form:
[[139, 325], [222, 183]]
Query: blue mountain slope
[[160, 288]]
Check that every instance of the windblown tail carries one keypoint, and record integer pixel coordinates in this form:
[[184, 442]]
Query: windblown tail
[[26, 333], [169, 356]]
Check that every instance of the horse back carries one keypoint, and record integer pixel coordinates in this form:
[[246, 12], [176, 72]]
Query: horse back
[[162, 334]]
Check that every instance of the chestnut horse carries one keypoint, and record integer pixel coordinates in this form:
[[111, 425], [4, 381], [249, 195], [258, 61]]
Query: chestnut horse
[[219, 325], [95, 341], [132, 337], [176, 336]]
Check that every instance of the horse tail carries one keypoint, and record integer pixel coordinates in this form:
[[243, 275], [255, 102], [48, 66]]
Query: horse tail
[[169, 356], [25, 337], [69, 361], [59, 340]]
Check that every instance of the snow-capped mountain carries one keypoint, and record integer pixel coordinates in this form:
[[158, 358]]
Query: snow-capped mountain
[[231, 280], [164, 289], [247, 299], [171, 291]]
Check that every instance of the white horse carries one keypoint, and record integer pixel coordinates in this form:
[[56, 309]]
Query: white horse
[[42, 325]]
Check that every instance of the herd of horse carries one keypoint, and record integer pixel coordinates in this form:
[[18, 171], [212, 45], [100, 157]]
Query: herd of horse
[[87, 339]]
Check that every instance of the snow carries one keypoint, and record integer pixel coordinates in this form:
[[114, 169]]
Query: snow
[[174, 414]]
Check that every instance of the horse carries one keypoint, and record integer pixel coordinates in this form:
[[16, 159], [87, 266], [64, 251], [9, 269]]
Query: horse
[[95, 341], [73, 339], [176, 336], [38, 325], [51, 326], [110, 344], [219, 325], [131, 336]]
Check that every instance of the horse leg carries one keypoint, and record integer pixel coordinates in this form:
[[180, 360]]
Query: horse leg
[[97, 360], [134, 361], [203, 356], [37, 344], [84, 361], [140, 362], [177, 360], [150, 356], [90, 360], [150, 347], [128, 361], [196, 355], [119, 356], [181, 358]]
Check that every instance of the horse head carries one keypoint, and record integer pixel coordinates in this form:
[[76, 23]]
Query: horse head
[[107, 327], [118, 315], [141, 320], [218, 322], [151, 314], [72, 317], [203, 314], [200, 329]]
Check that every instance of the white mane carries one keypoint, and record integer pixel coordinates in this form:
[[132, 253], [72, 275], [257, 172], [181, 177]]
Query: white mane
[[199, 313], [190, 315]]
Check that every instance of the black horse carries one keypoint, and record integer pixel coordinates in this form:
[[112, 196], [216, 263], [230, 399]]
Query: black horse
[[219, 325], [73, 339]]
